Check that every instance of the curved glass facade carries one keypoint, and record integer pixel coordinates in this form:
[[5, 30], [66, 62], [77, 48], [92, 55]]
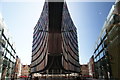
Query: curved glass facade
[[55, 46]]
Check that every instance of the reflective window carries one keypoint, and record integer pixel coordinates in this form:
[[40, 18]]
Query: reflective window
[[97, 51], [8, 55], [100, 47], [101, 55], [97, 58], [11, 58], [99, 41], [103, 35], [12, 52], [9, 48], [94, 54]]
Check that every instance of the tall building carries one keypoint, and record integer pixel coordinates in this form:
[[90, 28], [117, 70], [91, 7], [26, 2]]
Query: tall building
[[107, 50], [7, 53], [55, 45]]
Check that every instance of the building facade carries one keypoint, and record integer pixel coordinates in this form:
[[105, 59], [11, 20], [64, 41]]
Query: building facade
[[18, 67], [91, 67], [84, 70], [7, 53], [25, 70], [55, 45], [107, 50]]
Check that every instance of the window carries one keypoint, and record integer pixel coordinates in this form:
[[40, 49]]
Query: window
[[9, 48], [12, 59], [97, 58], [100, 47], [99, 41], [103, 35], [97, 51], [8, 55], [101, 55]]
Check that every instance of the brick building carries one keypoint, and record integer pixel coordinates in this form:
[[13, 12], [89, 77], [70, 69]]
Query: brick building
[[84, 70], [25, 71]]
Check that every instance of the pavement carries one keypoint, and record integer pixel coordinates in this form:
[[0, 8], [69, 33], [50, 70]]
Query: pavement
[[58, 79]]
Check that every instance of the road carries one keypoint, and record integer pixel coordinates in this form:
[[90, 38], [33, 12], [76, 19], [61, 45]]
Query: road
[[57, 79]]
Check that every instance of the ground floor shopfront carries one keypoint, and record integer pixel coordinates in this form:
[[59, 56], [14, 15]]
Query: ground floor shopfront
[[6, 69]]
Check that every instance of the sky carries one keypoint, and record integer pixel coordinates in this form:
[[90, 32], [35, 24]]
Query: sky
[[21, 17]]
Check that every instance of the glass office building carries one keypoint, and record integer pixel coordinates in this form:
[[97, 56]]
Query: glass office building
[[7, 53], [55, 45], [107, 49]]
